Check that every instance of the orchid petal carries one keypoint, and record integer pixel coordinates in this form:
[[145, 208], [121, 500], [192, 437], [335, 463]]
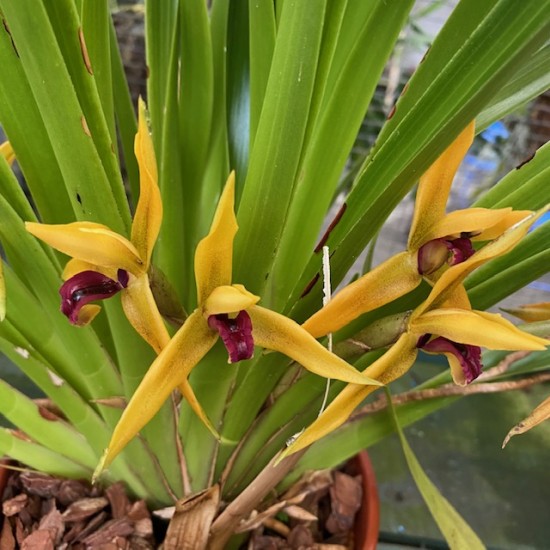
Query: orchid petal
[[87, 314], [394, 278], [142, 312], [531, 313], [187, 391], [476, 328], [90, 242], [169, 371], [6, 150], [279, 333], [475, 220], [510, 219], [434, 187], [214, 253], [74, 266], [393, 364], [148, 215], [228, 299], [450, 279]]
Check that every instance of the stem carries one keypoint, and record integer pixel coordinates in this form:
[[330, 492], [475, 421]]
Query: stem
[[248, 500]]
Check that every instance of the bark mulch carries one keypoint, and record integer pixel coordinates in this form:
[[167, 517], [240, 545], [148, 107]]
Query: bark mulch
[[45, 513]]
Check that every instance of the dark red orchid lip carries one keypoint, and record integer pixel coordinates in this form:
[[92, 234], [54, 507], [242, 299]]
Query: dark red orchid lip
[[88, 286], [236, 334], [468, 356]]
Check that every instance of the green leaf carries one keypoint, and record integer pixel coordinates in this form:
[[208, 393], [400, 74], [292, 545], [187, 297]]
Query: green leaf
[[531, 81], [39, 458], [90, 191], [273, 164], [18, 113], [502, 276], [158, 15], [337, 113], [456, 531], [523, 188], [262, 43], [50, 432]]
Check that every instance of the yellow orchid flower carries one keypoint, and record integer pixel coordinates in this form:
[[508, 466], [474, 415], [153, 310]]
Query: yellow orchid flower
[[230, 311], [531, 313], [435, 239], [105, 263], [438, 325]]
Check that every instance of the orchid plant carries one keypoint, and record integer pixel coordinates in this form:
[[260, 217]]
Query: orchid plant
[[232, 167]]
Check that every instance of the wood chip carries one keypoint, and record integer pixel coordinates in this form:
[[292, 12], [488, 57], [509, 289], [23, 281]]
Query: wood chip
[[39, 540], [346, 494], [118, 500], [108, 533], [7, 538], [14, 505], [84, 508]]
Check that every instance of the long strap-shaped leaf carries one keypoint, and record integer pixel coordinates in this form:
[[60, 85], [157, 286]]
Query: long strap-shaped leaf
[[278, 143], [90, 191], [456, 531]]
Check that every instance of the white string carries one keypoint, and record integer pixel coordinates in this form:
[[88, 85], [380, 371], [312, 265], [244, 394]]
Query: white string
[[327, 293]]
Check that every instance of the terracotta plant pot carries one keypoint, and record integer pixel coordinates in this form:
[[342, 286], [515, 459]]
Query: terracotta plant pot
[[367, 521]]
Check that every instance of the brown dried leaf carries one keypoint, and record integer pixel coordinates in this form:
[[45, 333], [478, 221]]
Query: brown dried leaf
[[299, 513], [190, 526], [539, 414]]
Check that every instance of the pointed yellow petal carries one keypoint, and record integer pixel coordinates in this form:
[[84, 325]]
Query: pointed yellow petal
[[187, 392], [531, 313], [279, 333], [393, 364], [394, 278], [169, 370], [214, 254], [434, 187], [91, 242], [507, 221], [141, 310], [477, 328], [475, 220], [148, 216], [6, 150], [454, 276], [74, 266], [228, 299]]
